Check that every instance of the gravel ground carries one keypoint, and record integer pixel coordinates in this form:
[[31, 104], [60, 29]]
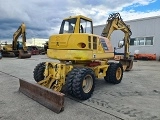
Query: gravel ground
[[136, 97]]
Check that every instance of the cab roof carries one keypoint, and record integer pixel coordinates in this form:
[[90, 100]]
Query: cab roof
[[79, 16]]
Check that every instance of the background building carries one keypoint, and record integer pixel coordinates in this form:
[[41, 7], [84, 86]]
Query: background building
[[36, 41], [145, 36]]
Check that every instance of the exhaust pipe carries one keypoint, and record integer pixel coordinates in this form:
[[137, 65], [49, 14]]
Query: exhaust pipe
[[45, 96]]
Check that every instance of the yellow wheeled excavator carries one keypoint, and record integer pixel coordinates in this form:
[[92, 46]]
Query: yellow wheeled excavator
[[17, 48], [83, 57]]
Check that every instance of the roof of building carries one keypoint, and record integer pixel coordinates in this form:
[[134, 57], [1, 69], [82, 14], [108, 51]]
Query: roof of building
[[134, 20], [141, 19]]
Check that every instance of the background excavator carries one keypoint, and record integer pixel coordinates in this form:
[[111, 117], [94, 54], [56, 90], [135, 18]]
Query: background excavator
[[17, 48], [83, 58]]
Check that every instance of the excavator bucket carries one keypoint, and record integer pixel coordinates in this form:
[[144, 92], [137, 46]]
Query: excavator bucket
[[23, 54], [128, 63], [47, 97]]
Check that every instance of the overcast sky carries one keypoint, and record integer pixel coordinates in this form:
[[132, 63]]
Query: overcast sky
[[43, 17]]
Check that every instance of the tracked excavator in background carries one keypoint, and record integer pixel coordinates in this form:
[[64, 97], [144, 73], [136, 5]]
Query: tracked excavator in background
[[17, 48], [83, 57]]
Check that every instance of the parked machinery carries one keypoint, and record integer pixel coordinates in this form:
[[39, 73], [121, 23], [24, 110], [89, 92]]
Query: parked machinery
[[17, 48], [83, 57]]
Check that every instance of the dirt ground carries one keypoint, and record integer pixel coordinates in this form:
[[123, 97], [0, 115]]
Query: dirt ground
[[136, 97]]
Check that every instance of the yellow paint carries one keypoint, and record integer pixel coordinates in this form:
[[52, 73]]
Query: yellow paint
[[82, 55]]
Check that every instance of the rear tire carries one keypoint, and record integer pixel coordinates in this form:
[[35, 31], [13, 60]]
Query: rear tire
[[38, 72], [107, 78], [82, 83], [114, 73]]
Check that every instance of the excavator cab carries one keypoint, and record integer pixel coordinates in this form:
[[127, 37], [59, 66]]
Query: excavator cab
[[19, 45], [77, 24]]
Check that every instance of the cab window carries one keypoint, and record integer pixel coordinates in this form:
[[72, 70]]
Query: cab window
[[85, 26], [68, 26]]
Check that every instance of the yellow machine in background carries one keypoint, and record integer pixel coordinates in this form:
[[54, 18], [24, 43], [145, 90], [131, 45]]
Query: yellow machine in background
[[83, 57], [17, 48]]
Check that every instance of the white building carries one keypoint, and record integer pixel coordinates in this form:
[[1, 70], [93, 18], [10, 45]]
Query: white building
[[145, 35], [36, 41]]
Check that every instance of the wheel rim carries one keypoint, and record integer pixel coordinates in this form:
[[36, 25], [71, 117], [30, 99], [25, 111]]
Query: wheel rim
[[87, 83], [118, 73]]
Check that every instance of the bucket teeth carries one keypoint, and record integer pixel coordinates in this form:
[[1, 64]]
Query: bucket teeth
[[47, 97]]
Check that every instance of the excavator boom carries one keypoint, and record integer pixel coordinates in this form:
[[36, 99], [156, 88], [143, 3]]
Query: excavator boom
[[115, 22], [20, 31]]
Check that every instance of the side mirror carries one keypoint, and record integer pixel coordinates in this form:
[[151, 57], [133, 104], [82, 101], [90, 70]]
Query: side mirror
[[120, 43]]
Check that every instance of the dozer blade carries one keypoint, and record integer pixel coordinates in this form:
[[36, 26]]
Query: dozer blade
[[47, 97], [23, 54]]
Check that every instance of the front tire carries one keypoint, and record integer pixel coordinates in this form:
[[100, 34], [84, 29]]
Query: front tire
[[38, 72], [82, 83]]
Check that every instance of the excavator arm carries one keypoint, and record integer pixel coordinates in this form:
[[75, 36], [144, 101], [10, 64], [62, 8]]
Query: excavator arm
[[115, 22], [20, 31]]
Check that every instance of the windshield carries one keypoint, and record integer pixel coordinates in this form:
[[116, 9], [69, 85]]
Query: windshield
[[67, 26]]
